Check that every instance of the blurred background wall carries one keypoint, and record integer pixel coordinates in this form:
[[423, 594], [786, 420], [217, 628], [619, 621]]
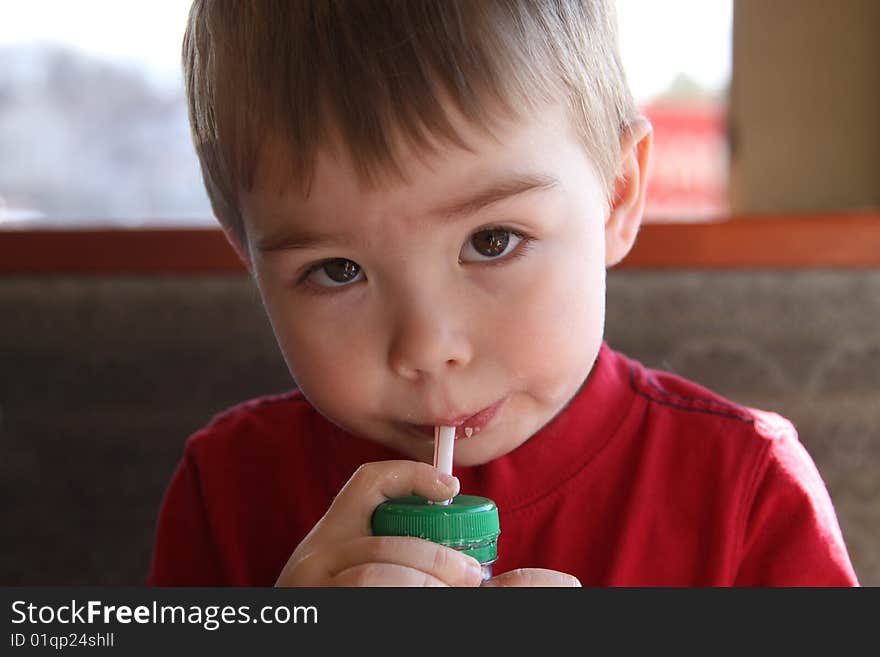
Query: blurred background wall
[[804, 102]]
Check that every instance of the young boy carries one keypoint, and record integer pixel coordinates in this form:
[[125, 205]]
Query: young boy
[[428, 195]]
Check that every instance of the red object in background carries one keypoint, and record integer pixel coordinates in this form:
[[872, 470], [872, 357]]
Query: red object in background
[[688, 174]]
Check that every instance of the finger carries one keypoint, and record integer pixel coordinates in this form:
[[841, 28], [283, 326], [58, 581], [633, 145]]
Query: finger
[[531, 577], [451, 567], [373, 483], [384, 574]]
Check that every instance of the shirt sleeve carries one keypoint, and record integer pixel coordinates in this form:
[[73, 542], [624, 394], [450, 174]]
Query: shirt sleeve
[[184, 552], [791, 533]]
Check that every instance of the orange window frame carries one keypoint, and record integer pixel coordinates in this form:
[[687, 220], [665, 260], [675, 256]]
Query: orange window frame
[[831, 240]]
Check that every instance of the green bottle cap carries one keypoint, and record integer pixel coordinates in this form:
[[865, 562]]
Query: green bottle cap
[[469, 523]]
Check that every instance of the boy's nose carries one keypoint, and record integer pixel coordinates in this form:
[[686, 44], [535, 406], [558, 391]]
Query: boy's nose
[[428, 340]]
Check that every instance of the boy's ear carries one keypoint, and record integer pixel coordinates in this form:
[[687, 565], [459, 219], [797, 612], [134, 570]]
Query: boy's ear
[[628, 200]]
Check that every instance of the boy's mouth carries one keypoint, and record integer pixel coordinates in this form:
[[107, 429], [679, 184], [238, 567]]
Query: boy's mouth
[[465, 425]]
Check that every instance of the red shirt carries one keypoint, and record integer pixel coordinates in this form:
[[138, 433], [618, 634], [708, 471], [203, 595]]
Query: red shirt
[[644, 479]]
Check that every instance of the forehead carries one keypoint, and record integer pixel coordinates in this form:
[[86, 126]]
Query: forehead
[[427, 175]]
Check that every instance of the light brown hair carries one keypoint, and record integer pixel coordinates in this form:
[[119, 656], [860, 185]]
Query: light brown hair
[[369, 70]]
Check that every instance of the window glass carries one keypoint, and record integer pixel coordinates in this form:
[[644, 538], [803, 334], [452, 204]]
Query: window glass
[[677, 55], [93, 127]]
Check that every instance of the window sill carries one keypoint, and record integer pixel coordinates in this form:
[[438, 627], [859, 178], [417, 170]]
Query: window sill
[[840, 240]]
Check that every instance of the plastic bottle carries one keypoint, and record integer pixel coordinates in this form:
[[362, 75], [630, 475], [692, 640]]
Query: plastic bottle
[[469, 524]]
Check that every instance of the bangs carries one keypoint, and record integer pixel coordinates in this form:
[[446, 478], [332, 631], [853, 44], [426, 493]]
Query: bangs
[[369, 75]]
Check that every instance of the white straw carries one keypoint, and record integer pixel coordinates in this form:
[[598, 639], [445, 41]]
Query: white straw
[[444, 440]]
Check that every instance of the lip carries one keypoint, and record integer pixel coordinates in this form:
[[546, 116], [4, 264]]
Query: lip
[[477, 422]]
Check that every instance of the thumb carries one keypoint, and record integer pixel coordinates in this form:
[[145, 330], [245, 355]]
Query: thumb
[[350, 513]]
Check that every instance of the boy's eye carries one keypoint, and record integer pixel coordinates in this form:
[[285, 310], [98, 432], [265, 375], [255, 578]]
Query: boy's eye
[[489, 244], [335, 273]]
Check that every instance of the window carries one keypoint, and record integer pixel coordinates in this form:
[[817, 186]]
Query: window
[[677, 55], [93, 128]]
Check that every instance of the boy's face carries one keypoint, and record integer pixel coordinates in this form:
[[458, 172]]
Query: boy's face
[[475, 288]]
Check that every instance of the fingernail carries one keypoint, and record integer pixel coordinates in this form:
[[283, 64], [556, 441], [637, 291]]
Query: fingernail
[[447, 480]]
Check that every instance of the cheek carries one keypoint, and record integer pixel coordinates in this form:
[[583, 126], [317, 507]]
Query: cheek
[[325, 355], [559, 327]]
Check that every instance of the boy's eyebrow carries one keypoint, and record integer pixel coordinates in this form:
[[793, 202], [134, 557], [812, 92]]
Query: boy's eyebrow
[[498, 191], [290, 239]]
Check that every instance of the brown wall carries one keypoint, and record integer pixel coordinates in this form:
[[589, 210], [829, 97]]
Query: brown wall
[[805, 102]]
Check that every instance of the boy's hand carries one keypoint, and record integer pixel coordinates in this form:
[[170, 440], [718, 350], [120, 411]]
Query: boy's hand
[[533, 577], [341, 550]]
